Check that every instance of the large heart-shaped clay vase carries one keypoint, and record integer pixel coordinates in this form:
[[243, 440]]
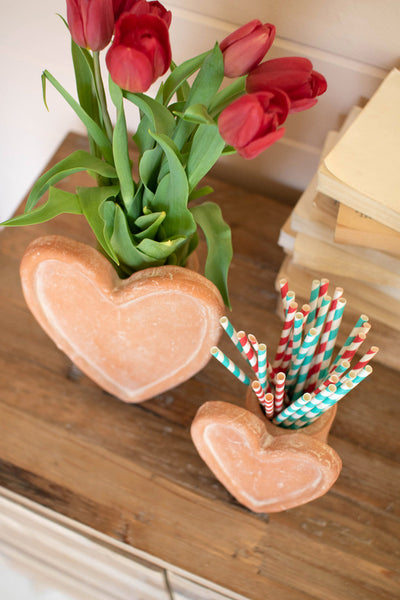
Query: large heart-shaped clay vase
[[263, 471], [135, 337]]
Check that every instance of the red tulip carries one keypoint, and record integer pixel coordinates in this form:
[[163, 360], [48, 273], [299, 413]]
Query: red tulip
[[141, 7], [140, 51], [250, 123], [91, 22], [293, 75], [244, 48]]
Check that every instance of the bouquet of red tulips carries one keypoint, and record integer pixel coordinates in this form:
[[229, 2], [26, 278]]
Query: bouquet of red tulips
[[183, 131]]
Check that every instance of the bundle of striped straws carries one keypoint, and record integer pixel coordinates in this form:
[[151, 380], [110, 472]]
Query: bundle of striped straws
[[303, 380]]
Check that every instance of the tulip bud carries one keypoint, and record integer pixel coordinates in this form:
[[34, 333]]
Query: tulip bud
[[293, 75], [140, 52], [251, 122], [141, 7], [246, 47], [91, 22]]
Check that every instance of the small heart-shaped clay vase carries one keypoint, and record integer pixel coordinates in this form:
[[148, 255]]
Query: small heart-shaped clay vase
[[135, 337], [265, 467]]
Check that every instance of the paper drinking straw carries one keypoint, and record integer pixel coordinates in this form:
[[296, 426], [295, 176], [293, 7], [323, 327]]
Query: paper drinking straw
[[298, 323], [269, 404], [287, 357], [285, 335], [262, 366], [313, 374], [259, 392], [299, 417], [284, 288], [284, 417], [364, 360], [230, 330], [337, 319], [226, 362], [323, 290], [354, 332], [305, 367], [349, 352], [297, 362], [337, 372], [313, 302], [279, 392], [248, 350], [305, 310], [253, 341]]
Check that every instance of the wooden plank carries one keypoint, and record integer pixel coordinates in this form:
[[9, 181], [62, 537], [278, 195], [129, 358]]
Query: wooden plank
[[132, 475]]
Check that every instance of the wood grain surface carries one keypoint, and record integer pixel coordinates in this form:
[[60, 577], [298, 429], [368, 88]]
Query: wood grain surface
[[132, 472]]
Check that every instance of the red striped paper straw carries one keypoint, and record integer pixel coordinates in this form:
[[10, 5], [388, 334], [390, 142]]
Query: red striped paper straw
[[248, 350], [364, 360], [337, 319], [305, 310], [358, 328], [288, 354], [258, 390], [279, 392], [269, 404], [253, 341], [285, 335], [284, 288], [350, 351], [323, 290], [338, 371]]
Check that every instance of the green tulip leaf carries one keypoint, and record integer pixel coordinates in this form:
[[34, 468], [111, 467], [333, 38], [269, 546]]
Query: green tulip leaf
[[180, 74], [208, 80], [59, 202], [196, 113], [75, 162], [84, 77], [124, 244], [207, 147], [91, 200], [120, 148], [219, 244], [199, 193], [227, 95], [160, 250], [93, 129], [160, 117], [172, 193], [149, 225]]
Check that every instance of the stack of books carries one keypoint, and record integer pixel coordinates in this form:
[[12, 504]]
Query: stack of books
[[346, 225]]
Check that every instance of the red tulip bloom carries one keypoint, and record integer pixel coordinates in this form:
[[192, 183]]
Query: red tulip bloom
[[91, 22], [246, 47], [140, 52], [293, 75], [251, 122], [141, 7]]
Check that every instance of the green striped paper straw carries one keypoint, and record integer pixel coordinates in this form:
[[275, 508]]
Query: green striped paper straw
[[313, 302], [297, 333], [355, 331], [230, 365], [283, 419], [339, 370], [232, 333], [301, 354], [344, 388], [295, 419], [262, 366], [304, 369]]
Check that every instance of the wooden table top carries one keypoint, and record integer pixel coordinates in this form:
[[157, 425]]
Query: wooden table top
[[131, 472]]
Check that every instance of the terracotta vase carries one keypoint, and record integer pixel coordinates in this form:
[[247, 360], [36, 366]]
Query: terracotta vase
[[265, 467], [135, 337]]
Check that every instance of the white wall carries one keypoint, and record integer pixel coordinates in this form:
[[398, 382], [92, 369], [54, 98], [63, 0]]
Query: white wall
[[352, 42]]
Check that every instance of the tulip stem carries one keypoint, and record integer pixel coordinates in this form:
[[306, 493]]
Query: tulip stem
[[102, 95]]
